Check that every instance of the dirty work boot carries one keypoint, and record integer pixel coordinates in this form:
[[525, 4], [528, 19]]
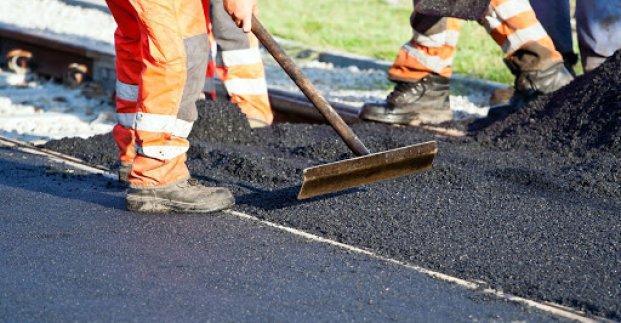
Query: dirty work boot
[[503, 96], [547, 80], [124, 171], [421, 102], [535, 73], [187, 196], [530, 84]]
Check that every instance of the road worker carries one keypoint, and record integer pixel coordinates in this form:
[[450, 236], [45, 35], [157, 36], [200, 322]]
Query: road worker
[[422, 68], [239, 65], [598, 25], [161, 48]]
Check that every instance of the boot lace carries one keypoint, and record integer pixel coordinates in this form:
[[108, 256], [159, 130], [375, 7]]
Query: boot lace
[[404, 87]]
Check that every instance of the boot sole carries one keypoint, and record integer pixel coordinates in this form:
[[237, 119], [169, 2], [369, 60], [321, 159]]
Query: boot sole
[[420, 117], [156, 205]]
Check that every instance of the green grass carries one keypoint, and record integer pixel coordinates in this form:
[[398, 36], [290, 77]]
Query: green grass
[[375, 29], [479, 56]]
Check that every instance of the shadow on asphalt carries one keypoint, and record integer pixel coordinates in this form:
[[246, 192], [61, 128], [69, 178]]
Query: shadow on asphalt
[[270, 199], [283, 198], [54, 179]]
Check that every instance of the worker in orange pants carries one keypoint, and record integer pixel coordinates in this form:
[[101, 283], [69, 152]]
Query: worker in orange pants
[[161, 63], [422, 68], [239, 65]]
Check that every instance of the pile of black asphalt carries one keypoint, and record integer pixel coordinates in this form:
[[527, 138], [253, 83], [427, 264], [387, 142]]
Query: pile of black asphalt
[[530, 205]]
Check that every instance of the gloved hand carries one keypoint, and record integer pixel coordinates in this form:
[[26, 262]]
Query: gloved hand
[[241, 11]]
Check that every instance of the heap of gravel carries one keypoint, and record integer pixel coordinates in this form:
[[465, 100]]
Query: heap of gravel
[[527, 215], [580, 119]]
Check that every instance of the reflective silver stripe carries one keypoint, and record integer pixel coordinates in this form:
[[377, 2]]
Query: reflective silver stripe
[[241, 57], [126, 119], [163, 123], [213, 46], [512, 8], [210, 85], [161, 152], [246, 86], [126, 91], [491, 21], [449, 37], [523, 36], [182, 128], [434, 63]]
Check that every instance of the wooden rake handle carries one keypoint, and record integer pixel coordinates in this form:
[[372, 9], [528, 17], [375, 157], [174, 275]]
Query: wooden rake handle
[[335, 120]]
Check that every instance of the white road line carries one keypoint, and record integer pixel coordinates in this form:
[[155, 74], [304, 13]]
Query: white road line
[[548, 307], [551, 308], [58, 158]]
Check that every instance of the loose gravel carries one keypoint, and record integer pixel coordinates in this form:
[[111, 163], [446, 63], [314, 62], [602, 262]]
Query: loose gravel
[[581, 119]]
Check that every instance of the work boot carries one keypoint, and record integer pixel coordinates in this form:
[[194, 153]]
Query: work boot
[[124, 171], [421, 102], [547, 80], [187, 196], [535, 74]]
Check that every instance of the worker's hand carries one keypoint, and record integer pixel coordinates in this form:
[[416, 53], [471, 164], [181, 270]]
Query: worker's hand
[[241, 11]]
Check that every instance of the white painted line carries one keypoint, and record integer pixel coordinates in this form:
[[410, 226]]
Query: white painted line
[[551, 308], [548, 307], [58, 158], [458, 281]]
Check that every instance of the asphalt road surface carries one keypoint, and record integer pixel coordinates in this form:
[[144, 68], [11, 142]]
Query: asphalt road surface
[[70, 252]]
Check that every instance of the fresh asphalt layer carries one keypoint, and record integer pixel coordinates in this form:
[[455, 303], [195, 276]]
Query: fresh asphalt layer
[[70, 252]]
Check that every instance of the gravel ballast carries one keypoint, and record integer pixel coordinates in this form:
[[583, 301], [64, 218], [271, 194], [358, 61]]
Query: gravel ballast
[[530, 204]]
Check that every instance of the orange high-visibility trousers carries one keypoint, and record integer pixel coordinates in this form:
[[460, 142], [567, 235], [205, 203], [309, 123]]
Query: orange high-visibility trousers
[[511, 23], [162, 50], [238, 64]]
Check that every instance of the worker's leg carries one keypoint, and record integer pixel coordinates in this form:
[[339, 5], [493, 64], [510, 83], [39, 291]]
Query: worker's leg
[[421, 72], [599, 30], [174, 44], [240, 67], [128, 67], [174, 48], [555, 17], [531, 54], [430, 51]]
